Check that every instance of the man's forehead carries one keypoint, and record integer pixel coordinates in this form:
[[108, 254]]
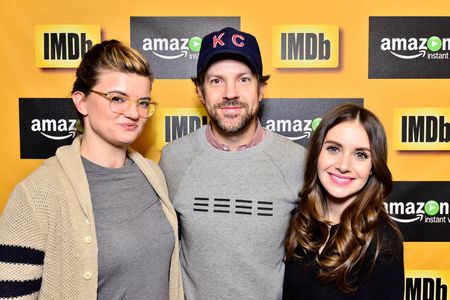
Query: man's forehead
[[228, 66]]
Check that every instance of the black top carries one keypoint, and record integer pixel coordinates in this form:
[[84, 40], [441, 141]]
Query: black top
[[386, 281]]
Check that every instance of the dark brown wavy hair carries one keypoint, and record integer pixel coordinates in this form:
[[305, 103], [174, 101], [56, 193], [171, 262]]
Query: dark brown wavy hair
[[357, 230]]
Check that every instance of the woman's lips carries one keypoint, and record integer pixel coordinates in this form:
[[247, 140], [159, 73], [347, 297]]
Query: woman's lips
[[129, 126], [340, 179]]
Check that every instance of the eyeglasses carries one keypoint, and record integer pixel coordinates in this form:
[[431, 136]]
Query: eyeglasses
[[119, 103]]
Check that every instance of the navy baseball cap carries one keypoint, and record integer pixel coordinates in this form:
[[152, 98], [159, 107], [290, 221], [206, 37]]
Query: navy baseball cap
[[229, 41]]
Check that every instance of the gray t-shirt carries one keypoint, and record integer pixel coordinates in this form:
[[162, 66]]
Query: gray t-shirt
[[234, 209], [135, 240]]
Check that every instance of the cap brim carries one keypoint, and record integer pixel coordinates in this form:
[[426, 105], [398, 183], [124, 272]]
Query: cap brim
[[211, 58]]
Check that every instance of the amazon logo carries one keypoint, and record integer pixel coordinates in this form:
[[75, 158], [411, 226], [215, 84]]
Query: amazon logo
[[45, 125], [55, 129], [409, 47], [173, 48], [293, 129], [412, 48]]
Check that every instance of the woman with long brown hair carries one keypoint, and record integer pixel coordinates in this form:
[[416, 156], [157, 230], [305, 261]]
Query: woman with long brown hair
[[341, 243]]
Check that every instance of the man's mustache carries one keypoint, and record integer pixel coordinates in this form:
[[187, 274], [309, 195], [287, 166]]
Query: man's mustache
[[231, 102]]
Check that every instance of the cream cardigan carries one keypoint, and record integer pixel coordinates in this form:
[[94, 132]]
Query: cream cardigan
[[50, 212]]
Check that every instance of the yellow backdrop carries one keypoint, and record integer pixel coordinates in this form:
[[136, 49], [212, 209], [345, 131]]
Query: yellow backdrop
[[21, 78]]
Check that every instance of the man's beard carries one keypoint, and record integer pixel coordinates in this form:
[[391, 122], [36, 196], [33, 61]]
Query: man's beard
[[235, 127]]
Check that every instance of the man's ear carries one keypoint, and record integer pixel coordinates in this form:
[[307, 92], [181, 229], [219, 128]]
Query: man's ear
[[200, 93], [79, 99], [261, 90]]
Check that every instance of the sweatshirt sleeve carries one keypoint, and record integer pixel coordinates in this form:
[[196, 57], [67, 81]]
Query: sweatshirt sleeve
[[21, 249]]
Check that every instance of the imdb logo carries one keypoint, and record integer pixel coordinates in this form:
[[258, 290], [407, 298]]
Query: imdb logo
[[173, 123], [305, 46], [422, 129], [63, 46], [426, 284]]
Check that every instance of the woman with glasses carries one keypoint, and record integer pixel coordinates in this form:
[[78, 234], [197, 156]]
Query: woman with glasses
[[95, 221]]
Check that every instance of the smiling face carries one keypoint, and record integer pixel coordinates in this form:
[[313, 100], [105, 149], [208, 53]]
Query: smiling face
[[231, 95], [104, 127], [344, 163]]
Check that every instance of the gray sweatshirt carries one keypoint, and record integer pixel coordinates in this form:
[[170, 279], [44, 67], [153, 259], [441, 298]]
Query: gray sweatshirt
[[234, 209]]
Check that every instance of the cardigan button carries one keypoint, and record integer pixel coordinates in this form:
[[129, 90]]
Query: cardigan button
[[87, 275], [87, 239]]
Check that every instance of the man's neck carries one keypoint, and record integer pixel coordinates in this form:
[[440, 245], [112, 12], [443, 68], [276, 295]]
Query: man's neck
[[235, 140]]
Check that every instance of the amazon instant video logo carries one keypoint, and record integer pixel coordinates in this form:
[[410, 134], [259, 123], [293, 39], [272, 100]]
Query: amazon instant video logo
[[409, 47], [173, 48], [297, 118], [433, 47], [172, 44], [302, 129], [429, 211], [45, 125], [421, 209]]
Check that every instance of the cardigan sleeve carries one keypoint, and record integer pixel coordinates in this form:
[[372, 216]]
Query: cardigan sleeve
[[21, 248]]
